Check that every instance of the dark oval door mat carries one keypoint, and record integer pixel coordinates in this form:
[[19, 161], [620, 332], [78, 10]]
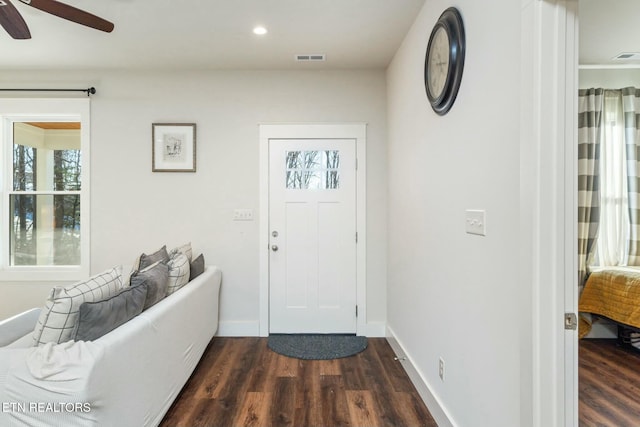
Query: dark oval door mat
[[317, 346]]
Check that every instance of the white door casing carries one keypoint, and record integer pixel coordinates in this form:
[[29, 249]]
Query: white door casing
[[355, 132], [312, 217], [548, 190]]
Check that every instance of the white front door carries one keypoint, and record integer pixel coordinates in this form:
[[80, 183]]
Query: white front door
[[312, 229]]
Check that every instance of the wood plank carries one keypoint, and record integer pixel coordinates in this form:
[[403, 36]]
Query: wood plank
[[362, 408], [283, 409], [216, 377], [351, 371], [379, 384], [308, 404], [264, 370], [287, 367], [254, 410], [335, 410], [330, 367]]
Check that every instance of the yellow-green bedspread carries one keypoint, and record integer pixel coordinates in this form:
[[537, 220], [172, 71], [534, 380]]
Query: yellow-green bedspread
[[613, 293]]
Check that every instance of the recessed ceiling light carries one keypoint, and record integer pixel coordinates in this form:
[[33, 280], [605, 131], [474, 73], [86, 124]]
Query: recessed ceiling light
[[260, 31]]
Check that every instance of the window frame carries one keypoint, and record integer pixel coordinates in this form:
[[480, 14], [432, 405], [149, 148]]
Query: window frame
[[50, 110]]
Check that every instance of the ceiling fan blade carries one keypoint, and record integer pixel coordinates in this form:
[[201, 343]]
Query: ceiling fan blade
[[12, 21], [70, 13]]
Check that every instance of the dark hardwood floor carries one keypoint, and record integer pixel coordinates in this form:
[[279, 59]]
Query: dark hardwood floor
[[240, 383], [609, 385]]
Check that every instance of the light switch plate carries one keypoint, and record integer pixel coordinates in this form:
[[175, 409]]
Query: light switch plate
[[243, 215], [476, 222]]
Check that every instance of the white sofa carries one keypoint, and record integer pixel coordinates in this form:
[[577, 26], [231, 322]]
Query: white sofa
[[128, 377]]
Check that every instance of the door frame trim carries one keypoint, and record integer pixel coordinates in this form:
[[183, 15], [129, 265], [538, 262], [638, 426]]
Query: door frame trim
[[548, 207], [356, 131]]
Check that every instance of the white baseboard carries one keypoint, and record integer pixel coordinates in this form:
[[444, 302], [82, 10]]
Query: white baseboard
[[376, 329], [435, 408], [252, 329], [238, 329]]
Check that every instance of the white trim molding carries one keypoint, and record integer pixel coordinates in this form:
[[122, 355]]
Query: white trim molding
[[436, 408], [49, 110], [548, 209], [356, 131], [238, 329]]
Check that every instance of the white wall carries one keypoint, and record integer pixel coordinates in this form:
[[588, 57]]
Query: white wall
[[609, 78], [451, 294], [135, 210]]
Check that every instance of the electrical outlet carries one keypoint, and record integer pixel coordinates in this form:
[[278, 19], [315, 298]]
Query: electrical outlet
[[441, 368]]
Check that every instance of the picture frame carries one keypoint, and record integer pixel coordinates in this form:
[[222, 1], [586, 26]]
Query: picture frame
[[173, 147]]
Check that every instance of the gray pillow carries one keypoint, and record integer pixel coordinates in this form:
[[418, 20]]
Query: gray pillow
[[96, 319], [160, 255], [197, 267], [156, 278]]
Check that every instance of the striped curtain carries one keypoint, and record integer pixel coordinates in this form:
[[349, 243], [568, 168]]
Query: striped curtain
[[631, 111], [590, 102]]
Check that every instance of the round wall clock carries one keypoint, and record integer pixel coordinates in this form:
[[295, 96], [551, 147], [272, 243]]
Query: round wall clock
[[444, 61]]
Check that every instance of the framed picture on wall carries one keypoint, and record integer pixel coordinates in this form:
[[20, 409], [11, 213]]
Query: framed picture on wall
[[173, 147]]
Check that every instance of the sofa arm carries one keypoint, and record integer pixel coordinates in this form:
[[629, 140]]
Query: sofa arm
[[18, 326]]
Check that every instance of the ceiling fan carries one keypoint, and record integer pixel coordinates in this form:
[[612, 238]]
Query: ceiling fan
[[14, 24]]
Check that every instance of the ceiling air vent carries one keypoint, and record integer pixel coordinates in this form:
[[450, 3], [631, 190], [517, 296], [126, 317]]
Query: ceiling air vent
[[311, 58], [627, 56]]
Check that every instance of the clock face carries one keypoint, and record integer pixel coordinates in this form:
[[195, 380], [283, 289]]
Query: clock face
[[438, 62]]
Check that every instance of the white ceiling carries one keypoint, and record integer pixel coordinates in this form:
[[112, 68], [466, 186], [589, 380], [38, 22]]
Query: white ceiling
[[608, 28], [204, 34], [170, 34]]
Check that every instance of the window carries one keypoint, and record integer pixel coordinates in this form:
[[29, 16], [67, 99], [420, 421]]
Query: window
[[45, 210], [614, 227], [313, 170]]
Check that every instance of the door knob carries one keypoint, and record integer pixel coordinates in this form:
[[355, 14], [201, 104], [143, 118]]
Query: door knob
[[274, 248]]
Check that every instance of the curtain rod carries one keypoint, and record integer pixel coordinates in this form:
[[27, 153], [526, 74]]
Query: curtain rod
[[90, 91]]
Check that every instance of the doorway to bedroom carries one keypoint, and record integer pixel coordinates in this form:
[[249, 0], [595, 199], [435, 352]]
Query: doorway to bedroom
[[609, 83]]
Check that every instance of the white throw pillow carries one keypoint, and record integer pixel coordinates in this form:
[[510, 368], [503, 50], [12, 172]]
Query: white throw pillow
[[178, 272], [183, 249], [60, 313]]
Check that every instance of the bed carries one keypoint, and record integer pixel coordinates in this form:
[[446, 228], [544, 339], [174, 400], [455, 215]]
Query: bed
[[612, 293]]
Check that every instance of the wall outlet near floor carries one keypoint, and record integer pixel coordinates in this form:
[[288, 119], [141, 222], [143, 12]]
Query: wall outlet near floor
[[441, 368], [243, 215]]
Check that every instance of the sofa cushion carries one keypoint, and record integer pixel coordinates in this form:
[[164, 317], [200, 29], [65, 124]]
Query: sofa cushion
[[156, 278], [196, 267], [178, 272], [96, 319], [59, 316], [183, 249], [146, 260]]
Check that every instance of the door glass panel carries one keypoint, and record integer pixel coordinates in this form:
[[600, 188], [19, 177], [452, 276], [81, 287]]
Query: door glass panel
[[313, 180], [294, 180], [312, 159], [313, 170], [331, 159], [294, 159]]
